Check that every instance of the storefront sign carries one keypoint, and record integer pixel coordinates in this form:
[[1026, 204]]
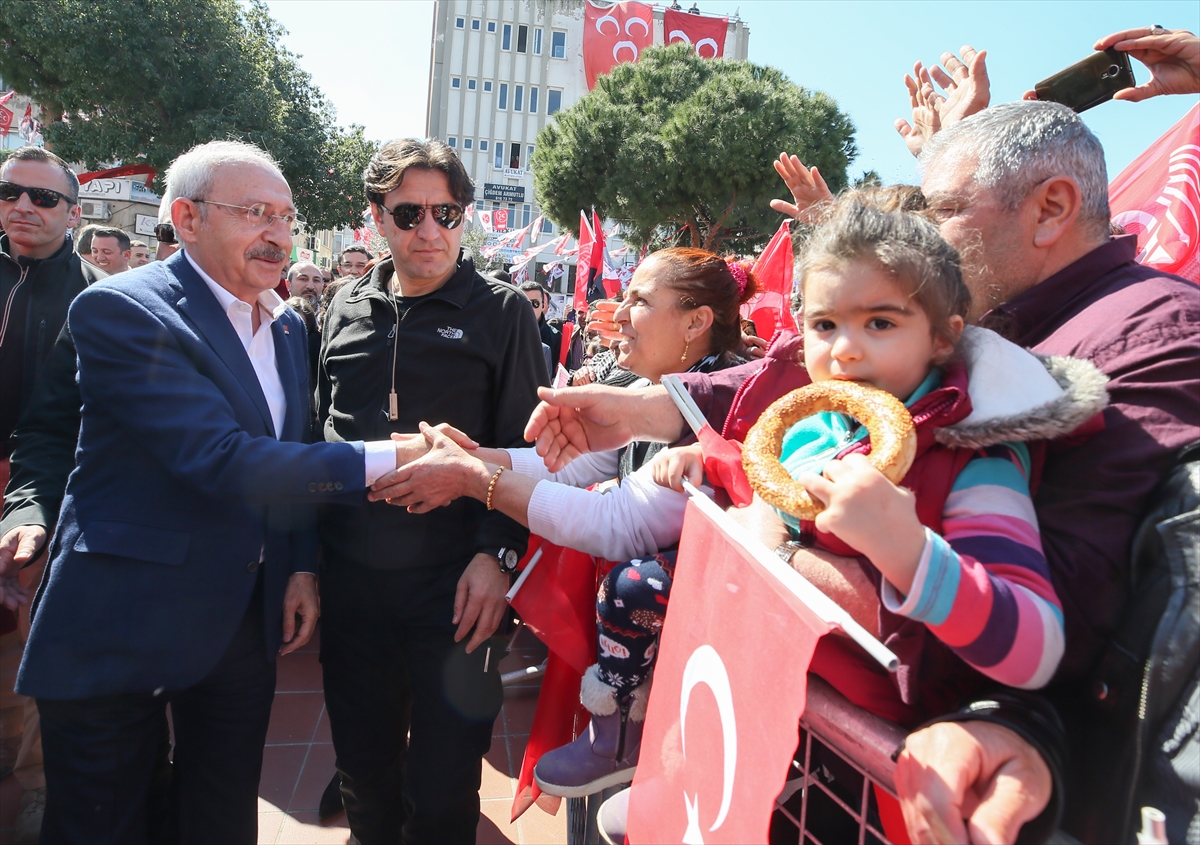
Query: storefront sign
[[503, 193]]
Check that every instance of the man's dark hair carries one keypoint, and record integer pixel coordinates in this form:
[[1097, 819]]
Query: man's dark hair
[[113, 232], [385, 171], [531, 285], [39, 154], [355, 248]]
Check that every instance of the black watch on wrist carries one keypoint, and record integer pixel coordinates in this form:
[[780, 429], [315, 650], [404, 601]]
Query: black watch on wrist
[[508, 558]]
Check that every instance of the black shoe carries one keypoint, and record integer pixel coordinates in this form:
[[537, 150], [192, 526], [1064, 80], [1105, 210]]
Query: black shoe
[[331, 799]]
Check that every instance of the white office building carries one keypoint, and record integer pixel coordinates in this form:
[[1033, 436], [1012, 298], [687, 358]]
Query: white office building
[[500, 71]]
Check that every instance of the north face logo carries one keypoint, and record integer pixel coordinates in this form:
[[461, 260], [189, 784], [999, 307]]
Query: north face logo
[[450, 333]]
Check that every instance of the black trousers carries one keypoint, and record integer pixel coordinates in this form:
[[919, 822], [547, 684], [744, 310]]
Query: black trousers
[[411, 712], [103, 755]]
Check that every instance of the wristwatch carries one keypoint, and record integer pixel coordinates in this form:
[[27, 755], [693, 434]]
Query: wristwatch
[[785, 551], [508, 558]]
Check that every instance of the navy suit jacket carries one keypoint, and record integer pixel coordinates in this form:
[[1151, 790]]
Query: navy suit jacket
[[180, 484]]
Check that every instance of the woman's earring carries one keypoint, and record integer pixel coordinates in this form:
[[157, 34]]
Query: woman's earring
[[683, 357]]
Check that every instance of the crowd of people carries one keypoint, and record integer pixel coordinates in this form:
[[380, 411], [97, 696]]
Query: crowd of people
[[207, 450]]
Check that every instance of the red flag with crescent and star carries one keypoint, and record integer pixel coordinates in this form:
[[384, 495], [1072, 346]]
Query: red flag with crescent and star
[[614, 34], [706, 35], [770, 308], [724, 713], [1157, 198]]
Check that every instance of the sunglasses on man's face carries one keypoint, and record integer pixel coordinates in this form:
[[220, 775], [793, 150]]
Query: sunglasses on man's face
[[408, 215], [41, 197]]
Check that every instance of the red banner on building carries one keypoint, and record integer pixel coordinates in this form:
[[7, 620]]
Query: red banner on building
[[1157, 198], [706, 35], [614, 34], [770, 308], [729, 690]]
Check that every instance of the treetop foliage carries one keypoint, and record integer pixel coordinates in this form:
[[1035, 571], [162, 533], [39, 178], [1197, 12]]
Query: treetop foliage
[[683, 142], [146, 80]]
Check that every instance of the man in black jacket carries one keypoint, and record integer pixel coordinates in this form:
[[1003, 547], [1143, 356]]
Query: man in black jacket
[[39, 277], [410, 600]]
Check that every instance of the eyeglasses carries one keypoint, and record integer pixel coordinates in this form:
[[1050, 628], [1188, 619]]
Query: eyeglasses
[[165, 233], [409, 215], [258, 217], [41, 197]]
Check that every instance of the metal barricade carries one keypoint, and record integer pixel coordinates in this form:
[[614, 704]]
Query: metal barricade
[[844, 752]]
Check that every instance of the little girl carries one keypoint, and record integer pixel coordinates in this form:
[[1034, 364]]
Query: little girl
[[954, 550]]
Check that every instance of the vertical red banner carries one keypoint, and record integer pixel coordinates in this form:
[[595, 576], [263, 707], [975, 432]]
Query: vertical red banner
[[1157, 198], [614, 34], [729, 690], [706, 35]]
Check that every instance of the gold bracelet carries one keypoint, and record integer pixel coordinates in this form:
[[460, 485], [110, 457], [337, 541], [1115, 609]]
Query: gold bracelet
[[492, 487]]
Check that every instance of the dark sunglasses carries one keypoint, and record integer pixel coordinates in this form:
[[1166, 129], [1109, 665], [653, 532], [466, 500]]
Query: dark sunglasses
[[41, 197], [165, 233], [409, 215]]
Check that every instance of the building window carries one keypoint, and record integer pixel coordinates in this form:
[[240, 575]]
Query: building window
[[522, 38], [506, 38], [533, 97], [459, 23], [518, 97], [491, 26], [483, 146], [528, 154], [487, 86], [537, 42], [553, 101], [498, 161], [547, 226], [475, 25], [455, 82], [514, 160], [558, 44], [470, 84], [502, 102], [512, 216], [452, 141], [468, 143], [524, 215]]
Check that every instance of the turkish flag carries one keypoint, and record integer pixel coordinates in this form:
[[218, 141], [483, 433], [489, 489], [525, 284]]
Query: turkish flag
[[1157, 198], [614, 34], [770, 308], [706, 35], [729, 690]]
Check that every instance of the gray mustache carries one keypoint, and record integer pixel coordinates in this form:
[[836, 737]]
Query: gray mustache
[[267, 253]]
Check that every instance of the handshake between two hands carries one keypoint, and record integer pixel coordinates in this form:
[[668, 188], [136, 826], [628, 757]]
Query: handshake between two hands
[[434, 466]]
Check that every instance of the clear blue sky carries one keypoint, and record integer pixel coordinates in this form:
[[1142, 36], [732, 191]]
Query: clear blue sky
[[857, 52]]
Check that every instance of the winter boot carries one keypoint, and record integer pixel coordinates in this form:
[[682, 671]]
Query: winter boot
[[606, 754]]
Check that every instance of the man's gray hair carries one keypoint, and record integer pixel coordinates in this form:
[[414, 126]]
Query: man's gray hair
[[191, 175], [1017, 146]]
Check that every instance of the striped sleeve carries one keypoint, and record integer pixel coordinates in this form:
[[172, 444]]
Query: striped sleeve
[[983, 588]]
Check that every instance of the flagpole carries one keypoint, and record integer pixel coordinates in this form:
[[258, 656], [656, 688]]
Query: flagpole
[[508, 597], [826, 608]]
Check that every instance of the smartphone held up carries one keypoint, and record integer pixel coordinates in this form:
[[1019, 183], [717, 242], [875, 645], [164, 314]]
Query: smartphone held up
[[1090, 82]]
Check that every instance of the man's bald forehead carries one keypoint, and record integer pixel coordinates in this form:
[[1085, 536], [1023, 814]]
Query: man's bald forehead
[[309, 268]]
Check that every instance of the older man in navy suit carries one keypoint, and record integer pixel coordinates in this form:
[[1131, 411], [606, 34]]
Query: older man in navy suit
[[186, 545]]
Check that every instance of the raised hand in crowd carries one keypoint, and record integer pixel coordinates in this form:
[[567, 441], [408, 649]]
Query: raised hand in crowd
[[601, 321], [17, 548], [1172, 56], [969, 782], [967, 91], [807, 186]]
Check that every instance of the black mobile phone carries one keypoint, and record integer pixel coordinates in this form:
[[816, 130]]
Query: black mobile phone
[[1090, 82]]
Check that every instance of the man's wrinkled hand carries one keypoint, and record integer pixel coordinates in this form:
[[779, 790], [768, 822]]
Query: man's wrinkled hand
[[410, 446], [970, 782], [18, 547], [479, 600], [300, 599]]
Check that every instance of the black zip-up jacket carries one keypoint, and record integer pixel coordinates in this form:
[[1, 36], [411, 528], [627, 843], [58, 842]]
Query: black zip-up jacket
[[468, 354], [47, 287]]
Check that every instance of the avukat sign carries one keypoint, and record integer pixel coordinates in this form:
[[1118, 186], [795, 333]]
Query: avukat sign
[[1157, 198]]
